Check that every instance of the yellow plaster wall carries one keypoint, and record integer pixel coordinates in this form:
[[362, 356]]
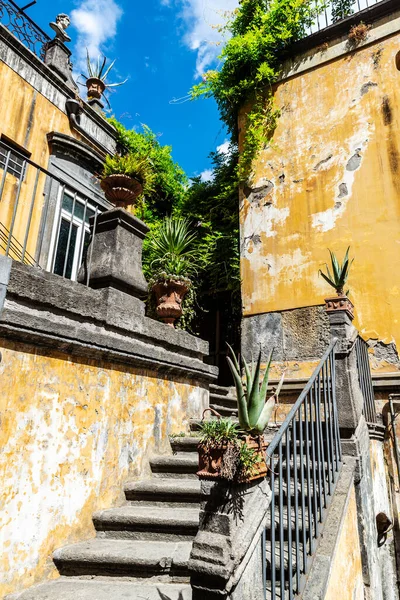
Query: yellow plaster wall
[[345, 579], [26, 117], [71, 434], [345, 110]]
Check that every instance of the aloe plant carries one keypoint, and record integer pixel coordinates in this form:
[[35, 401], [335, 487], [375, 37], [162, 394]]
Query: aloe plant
[[340, 272], [253, 409]]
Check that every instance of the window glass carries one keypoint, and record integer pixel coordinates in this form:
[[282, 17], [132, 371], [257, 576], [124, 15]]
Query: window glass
[[15, 163], [62, 249]]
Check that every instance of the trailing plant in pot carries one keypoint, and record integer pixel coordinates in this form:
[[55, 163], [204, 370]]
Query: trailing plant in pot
[[337, 279], [174, 264], [96, 77], [125, 178], [237, 452]]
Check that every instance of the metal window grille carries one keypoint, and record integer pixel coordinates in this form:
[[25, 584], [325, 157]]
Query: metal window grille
[[11, 162], [365, 380]]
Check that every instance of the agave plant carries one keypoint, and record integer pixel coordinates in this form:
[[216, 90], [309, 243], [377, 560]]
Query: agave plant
[[340, 272], [253, 409], [99, 71]]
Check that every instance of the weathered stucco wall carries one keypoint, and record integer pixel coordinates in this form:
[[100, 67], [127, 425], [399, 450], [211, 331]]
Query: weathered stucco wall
[[346, 579], [71, 432], [329, 179]]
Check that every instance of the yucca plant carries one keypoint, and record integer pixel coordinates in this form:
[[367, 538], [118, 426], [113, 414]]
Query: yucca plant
[[254, 410], [340, 272], [98, 70]]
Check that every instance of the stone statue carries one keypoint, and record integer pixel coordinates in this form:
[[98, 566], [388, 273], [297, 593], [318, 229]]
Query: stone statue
[[61, 24]]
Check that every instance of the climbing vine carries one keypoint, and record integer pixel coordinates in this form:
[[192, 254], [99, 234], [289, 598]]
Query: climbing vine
[[260, 33]]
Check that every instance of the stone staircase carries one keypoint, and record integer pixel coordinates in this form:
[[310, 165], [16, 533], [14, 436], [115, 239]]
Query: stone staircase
[[141, 549]]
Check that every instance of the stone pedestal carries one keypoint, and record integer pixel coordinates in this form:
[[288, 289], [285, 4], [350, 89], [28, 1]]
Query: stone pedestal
[[226, 560], [114, 256], [57, 57]]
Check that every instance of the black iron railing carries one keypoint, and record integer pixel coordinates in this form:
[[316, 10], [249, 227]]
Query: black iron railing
[[304, 459], [337, 10], [22, 26], [365, 380], [44, 221]]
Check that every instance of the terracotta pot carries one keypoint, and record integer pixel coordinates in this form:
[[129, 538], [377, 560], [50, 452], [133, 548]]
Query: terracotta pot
[[95, 87], [340, 303], [169, 296], [210, 461], [121, 190]]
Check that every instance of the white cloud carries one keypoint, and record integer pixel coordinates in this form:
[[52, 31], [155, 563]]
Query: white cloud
[[224, 148], [96, 22], [202, 18], [207, 175]]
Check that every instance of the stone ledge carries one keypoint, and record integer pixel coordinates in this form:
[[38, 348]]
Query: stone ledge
[[50, 311]]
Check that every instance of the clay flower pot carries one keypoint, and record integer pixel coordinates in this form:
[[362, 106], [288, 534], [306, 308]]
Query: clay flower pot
[[122, 190], [95, 87], [340, 303], [260, 446], [210, 461], [169, 296]]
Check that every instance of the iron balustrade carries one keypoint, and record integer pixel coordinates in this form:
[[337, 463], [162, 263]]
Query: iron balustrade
[[22, 26], [365, 380], [33, 215], [336, 11], [304, 461]]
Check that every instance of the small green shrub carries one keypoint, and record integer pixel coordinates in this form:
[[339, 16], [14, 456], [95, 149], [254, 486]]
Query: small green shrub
[[218, 432], [138, 167]]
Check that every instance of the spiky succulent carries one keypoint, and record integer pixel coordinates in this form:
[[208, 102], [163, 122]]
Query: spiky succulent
[[340, 272], [253, 409]]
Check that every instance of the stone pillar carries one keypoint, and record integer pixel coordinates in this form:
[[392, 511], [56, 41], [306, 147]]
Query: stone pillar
[[57, 57], [349, 396], [114, 256], [226, 559]]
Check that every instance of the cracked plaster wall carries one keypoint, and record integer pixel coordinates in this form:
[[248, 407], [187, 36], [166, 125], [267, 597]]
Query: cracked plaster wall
[[329, 179], [71, 433]]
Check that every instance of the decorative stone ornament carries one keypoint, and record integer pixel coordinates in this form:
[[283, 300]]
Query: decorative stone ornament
[[340, 303], [121, 190], [62, 23], [169, 296], [95, 87]]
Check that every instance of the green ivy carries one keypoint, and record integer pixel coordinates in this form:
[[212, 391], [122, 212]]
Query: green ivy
[[261, 32]]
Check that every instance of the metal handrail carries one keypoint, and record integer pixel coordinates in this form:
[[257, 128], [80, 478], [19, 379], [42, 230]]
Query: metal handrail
[[23, 27], [272, 446], [304, 461], [365, 380]]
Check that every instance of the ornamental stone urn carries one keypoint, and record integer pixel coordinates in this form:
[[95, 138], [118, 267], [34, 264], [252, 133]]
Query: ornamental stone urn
[[95, 87], [120, 189], [169, 296]]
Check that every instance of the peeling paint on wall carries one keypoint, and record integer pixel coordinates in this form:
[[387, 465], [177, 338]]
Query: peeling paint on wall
[[71, 434], [337, 143]]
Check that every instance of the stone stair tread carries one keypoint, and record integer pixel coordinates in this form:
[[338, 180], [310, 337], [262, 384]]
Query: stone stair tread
[[80, 589], [147, 554], [179, 459], [151, 515], [190, 486]]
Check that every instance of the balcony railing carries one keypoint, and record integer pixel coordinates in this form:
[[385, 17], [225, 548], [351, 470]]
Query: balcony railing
[[337, 10], [44, 220], [22, 26], [365, 380]]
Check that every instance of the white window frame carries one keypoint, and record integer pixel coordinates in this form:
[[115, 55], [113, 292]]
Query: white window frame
[[82, 226]]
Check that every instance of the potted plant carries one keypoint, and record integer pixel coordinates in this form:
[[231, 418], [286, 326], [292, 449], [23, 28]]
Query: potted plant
[[124, 178], [237, 452], [96, 77], [174, 263], [337, 279]]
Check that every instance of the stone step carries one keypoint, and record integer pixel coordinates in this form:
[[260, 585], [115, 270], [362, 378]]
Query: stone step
[[147, 523], [158, 491], [184, 444], [108, 589], [110, 557], [180, 465], [225, 411]]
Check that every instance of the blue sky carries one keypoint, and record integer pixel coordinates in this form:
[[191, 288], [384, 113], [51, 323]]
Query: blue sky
[[163, 46]]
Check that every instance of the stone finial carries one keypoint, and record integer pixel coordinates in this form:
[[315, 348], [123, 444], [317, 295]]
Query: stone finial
[[61, 24]]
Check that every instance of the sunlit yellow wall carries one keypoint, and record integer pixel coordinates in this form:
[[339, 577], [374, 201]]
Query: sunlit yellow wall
[[71, 434], [346, 579], [344, 110], [26, 117]]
